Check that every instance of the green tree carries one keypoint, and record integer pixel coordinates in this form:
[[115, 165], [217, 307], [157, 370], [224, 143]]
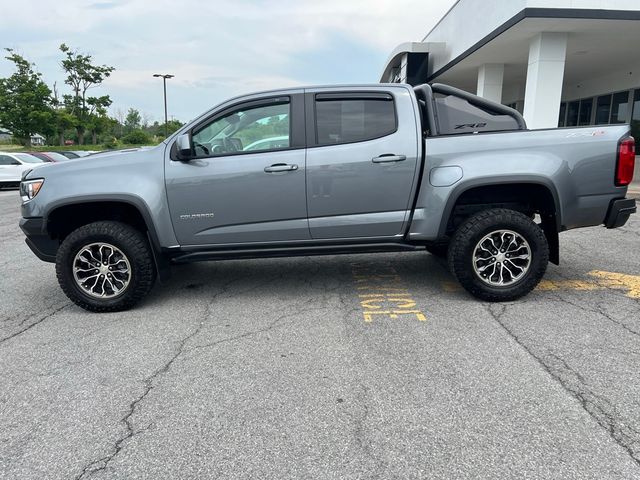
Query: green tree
[[64, 121], [25, 101], [132, 120], [82, 75]]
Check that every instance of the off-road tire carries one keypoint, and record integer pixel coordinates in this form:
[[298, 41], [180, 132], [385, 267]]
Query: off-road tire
[[465, 239], [130, 241]]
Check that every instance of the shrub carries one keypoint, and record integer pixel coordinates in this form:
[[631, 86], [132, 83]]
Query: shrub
[[136, 137]]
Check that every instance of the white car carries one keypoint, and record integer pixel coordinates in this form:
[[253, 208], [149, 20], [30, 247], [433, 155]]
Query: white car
[[12, 165]]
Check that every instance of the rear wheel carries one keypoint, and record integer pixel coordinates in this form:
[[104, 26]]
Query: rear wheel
[[105, 266], [499, 255]]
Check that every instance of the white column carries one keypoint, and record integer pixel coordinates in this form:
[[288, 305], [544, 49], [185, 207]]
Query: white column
[[490, 79], [547, 55]]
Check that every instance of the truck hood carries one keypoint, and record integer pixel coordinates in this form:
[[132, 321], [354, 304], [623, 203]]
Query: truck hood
[[113, 160]]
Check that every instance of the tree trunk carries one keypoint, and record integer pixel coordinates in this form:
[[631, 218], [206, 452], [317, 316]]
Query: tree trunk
[[61, 140], [27, 142], [80, 136], [94, 136]]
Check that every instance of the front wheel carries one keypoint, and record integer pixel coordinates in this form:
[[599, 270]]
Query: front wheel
[[499, 255], [105, 266]]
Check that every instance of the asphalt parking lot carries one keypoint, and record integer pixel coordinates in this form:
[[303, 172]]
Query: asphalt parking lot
[[310, 368]]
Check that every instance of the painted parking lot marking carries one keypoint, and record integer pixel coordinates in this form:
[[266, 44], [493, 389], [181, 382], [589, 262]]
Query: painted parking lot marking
[[599, 280], [383, 294]]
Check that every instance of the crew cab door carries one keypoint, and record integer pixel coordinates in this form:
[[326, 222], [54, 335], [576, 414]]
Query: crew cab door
[[362, 160], [246, 180]]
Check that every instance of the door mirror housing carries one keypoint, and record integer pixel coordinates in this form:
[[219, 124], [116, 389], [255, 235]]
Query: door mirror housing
[[184, 147]]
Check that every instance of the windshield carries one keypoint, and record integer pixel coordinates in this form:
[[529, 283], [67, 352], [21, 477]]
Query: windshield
[[26, 158]]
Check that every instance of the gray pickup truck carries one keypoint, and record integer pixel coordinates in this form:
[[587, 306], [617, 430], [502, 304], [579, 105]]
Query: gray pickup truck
[[330, 170]]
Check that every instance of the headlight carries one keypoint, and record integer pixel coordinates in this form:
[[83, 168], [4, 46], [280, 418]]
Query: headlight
[[30, 188]]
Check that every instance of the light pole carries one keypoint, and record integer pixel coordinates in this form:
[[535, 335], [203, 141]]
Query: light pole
[[164, 83]]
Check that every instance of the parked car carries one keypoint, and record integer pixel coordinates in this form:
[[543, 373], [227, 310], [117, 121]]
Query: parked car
[[375, 168], [69, 154], [12, 165], [49, 156]]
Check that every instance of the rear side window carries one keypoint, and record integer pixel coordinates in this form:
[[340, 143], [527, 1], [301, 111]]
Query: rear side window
[[348, 120]]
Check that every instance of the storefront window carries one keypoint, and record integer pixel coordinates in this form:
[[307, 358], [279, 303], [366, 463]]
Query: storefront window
[[603, 110], [620, 108], [635, 119], [586, 108], [563, 113], [572, 114]]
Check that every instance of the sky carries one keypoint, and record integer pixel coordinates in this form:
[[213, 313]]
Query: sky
[[215, 48]]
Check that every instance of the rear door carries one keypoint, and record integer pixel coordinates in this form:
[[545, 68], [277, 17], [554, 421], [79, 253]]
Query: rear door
[[246, 183], [362, 160]]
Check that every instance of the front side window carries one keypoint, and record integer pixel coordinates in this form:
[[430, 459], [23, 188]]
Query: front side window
[[252, 129], [7, 160], [353, 120]]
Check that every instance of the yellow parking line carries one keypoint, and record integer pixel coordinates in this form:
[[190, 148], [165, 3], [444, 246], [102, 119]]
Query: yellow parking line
[[599, 280]]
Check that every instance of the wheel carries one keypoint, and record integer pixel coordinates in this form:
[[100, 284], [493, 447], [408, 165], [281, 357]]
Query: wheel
[[438, 250], [105, 266], [499, 255]]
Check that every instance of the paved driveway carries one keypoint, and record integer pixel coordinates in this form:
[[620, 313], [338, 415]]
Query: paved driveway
[[287, 368]]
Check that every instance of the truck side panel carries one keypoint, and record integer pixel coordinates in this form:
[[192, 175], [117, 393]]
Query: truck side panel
[[576, 165]]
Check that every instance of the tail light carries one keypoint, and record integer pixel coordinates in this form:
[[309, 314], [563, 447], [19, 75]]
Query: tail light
[[626, 161]]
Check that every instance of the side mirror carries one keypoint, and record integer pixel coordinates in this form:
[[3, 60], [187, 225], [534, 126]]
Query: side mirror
[[183, 147]]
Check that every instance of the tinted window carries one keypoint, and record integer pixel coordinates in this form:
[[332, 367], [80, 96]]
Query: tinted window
[[620, 108], [572, 114], [6, 160], [635, 119], [255, 129], [563, 114], [353, 120], [603, 110], [586, 108]]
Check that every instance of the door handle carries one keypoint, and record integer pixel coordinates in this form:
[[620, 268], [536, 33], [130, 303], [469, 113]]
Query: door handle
[[389, 158], [280, 167]]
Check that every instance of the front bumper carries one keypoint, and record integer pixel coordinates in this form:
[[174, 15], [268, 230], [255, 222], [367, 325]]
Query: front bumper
[[38, 240], [619, 212]]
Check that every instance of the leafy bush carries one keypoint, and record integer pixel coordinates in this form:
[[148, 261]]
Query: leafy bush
[[111, 144], [136, 137]]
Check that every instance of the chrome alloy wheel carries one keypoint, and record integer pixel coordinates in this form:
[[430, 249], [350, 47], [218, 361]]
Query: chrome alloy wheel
[[502, 258], [101, 270]]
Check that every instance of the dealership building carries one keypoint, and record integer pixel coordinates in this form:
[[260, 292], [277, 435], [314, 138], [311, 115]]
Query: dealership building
[[560, 62]]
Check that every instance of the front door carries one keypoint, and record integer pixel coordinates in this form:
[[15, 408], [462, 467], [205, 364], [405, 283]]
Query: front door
[[246, 183]]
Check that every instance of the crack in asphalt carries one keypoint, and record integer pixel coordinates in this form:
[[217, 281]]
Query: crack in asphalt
[[102, 463], [37, 322], [591, 403]]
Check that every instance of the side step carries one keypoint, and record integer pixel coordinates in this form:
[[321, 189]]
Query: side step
[[297, 251]]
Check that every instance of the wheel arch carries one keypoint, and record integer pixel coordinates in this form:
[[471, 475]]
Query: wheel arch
[[129, 209], [538, 193]]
